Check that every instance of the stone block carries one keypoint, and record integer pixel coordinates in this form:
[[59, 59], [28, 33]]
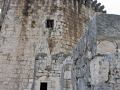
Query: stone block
[[99, 70], [56, 66], [67, 61], [118, 64], [49, 85], [30, 85], [67, 75], [68, 84], [105, 47], [30, 80], [53, 84]]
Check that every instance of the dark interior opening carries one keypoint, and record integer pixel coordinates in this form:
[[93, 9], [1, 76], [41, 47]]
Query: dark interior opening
[[0, 28], [43, 86], [50, 24]]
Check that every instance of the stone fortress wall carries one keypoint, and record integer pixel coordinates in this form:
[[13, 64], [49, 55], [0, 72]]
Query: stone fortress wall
[[36, 40]]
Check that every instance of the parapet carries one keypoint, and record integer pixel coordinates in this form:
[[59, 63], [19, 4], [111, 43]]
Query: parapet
[[88, 3]]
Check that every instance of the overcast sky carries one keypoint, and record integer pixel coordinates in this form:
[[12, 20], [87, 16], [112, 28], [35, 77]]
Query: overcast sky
[[111, 6]]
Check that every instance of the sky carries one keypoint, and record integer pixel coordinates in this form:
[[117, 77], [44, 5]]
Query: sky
[[111, 6]]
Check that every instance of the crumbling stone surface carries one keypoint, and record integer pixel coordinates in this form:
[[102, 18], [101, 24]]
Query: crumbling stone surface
[[96, 56], [105, 47], [110, 25], [66, 74], [99, 70], [82, 54]]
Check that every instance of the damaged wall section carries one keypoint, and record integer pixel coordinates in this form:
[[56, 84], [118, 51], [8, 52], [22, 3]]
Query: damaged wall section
[[96, 56]]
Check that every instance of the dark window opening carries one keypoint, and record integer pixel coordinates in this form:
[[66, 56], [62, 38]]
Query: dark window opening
[[50, 24], [43, 86], [79, 6], [74, 3], [0, 28]]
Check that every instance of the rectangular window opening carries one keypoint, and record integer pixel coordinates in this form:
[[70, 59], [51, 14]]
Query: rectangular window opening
[[50, 24], [43, 86]]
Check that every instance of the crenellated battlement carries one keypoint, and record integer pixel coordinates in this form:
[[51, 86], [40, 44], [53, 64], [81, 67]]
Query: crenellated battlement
[[88, 3], [98, 7]]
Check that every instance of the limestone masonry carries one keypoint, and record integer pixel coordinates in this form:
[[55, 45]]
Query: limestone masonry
[[58, 45]]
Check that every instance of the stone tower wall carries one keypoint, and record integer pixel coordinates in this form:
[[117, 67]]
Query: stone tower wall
[[30, 53]]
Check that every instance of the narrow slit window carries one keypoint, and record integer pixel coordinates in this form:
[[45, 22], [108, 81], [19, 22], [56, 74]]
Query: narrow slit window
[[74, 3], [43, 86], [0, 28], [50, 24]]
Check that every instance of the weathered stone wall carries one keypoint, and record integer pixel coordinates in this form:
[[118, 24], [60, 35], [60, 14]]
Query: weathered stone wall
[[30, 52], [96, 56], [66, 74]]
